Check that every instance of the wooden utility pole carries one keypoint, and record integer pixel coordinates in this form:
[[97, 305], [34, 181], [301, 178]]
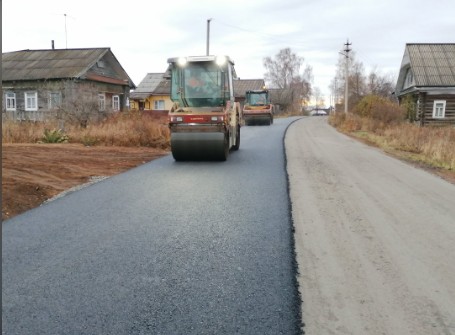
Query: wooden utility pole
[[346, 90]]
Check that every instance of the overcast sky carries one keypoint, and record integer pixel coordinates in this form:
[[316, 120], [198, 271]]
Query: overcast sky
[[143, 34]]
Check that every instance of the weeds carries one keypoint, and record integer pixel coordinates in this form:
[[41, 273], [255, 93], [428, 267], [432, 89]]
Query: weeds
[[131, 129], [382, 123], [54, 136]]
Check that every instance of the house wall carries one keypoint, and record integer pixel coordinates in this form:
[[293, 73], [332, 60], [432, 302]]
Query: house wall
[[79, 99], [428, 110], [134, 104], [167, 101], [423, 104], [43, 90], [149, 103]]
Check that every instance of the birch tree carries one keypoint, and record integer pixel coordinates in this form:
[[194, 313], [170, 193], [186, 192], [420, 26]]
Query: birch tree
[[283, 73]]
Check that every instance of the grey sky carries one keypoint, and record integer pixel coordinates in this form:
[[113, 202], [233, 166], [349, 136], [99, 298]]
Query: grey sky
[[143, 33]]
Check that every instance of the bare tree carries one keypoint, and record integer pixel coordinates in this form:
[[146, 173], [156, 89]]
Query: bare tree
[[80, 105], [283, 72], [381, 85], [318, 98], [356, 80], [357, 83], [284, 69], [360, 84]]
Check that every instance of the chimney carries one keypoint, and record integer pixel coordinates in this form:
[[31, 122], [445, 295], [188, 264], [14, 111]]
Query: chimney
[[53, 45]]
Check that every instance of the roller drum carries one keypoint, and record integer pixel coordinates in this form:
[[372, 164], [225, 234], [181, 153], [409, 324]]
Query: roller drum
[[199, 146]]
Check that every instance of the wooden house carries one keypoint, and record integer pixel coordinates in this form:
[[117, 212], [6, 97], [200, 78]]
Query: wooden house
[[426, 83], [152, 95], [77, 84]]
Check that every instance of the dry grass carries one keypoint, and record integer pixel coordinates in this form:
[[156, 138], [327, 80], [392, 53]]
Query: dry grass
[[123, 129], [432, 146]]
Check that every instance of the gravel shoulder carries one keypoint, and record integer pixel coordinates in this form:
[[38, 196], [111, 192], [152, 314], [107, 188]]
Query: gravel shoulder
[[375, 237]]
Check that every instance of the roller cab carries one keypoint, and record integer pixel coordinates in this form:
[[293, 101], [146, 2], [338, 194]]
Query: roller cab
[[204, 120]]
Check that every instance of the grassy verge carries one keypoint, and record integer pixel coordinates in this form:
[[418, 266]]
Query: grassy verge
[[123, 129], [433, 147]]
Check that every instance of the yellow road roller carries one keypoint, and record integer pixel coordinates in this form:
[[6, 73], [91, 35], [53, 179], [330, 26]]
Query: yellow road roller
[[204, 120], [258, 109]]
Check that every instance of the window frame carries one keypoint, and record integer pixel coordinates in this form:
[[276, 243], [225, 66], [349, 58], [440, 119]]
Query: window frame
[[436, 109], [10, 100], [157, 103], [101, 102], [54, 103], [33, 96], [409, 79], [116, 103]]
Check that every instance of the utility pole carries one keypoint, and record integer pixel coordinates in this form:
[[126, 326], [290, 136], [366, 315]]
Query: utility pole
[[208, 35], [66, 34], [346, 93]]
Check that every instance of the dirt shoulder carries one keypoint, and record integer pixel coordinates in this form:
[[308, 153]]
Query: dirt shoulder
[[34, 173]]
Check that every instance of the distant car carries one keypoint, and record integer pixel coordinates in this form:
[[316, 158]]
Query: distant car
[[318, 112]]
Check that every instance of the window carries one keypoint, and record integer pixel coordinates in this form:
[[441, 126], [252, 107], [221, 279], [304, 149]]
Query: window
[[439, 109], [55, 99], [10, 101], [31, 101], [409, 79], [116, 102], [158, 105], [101, 102]]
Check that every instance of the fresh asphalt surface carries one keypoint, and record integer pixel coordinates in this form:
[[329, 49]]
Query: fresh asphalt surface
[[165, 248]]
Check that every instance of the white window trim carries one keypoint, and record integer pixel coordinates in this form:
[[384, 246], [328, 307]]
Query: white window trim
[[102, 101], [34, 97], [435, 104], [10, 100], [115, 103]]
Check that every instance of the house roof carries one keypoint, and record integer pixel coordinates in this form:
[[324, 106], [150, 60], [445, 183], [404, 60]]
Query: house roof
[[163, 88], [432, 65], [147, 86], [60, 64], [243, 85]]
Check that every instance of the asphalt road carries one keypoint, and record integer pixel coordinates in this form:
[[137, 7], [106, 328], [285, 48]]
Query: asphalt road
[[374, 237], [165, 248]]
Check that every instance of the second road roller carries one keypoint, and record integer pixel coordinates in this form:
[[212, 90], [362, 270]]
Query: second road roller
[[258, 109], [205, 119]]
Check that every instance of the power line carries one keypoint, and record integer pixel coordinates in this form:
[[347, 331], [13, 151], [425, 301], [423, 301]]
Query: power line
[[269, 36]]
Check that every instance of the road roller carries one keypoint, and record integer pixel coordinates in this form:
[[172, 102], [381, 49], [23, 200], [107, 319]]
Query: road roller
[[204, 119], [258, 109]]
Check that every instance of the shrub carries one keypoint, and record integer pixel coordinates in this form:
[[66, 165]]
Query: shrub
[[380, 109], [54, 136]]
